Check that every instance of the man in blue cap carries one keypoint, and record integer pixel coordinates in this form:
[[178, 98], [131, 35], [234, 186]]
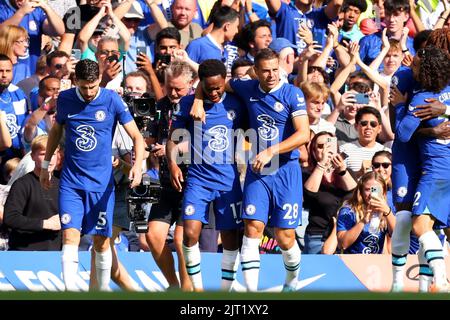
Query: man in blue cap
[[286, 57]]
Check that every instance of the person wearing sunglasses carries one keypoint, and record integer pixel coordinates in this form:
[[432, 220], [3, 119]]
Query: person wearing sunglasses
[[327, 184], [360, 152]]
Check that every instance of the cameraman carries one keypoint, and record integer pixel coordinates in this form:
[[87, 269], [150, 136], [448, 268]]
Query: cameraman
[[178, 83]]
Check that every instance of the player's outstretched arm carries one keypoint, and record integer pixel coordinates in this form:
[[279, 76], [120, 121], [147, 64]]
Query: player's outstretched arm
[[135, 174], [198, 111], [176, 176], [52, 143]]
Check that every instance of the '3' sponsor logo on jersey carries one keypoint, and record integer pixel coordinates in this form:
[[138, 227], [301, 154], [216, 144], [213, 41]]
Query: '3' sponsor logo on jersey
[[219, 139], [267, 131], [87, 141]]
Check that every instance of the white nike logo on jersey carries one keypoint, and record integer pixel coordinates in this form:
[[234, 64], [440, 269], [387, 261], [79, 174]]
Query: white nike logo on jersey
[[72, 115], [253, 99], [291, 222]]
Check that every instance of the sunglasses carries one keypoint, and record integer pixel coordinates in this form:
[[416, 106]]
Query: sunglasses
[[385, 165], [364, 123]]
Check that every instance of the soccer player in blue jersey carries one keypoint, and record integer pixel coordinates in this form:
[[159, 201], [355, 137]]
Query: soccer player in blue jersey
[[212, 175], [430, 207], [406, 164], [273, 183], [89, 114], [289, 17]]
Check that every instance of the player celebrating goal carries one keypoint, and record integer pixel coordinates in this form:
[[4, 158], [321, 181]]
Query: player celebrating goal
[[86, 199], [272, 194]]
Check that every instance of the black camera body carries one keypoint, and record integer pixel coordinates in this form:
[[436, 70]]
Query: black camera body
[[143, 110], [138, 202]]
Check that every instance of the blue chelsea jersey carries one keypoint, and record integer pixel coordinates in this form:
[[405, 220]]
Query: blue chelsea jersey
[[368, 242], [14, 103], [89, 129], [270, 114], [212, 144], [434, 153]]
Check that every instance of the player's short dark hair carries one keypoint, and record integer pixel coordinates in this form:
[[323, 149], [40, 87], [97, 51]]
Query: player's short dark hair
[[392, 6], [4, 57], [168, 33], [56, 54], [42, 82], [211, 68], [360, 4], [87, 70], [368, 110], [223, 15], [241, 62], [265, 54]]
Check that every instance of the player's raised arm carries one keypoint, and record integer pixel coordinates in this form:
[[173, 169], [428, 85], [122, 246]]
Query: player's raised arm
[[198, 111]]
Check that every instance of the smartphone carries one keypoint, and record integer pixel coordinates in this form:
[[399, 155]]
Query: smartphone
[[140, 50], [332, 144], [113, 58], [76, 54], [344, 155], [375, 191], [362, 98], [164, 58], [65, 84], [347, 41], [318, 36]]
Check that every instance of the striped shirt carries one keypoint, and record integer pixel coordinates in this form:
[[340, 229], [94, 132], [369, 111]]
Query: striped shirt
[[357, 154]]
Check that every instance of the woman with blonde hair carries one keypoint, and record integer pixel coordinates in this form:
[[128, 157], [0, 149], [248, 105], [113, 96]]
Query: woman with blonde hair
[[14, 42], [366, 218]]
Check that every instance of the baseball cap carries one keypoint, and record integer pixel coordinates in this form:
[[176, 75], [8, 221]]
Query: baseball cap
[[135, 12], [279, 44]]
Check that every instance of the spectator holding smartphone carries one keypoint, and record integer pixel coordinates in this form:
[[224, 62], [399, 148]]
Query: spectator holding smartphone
[[364, 221], [327, 184]]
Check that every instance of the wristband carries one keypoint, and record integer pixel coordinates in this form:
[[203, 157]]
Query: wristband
[[390, 211], [342, 173], [45, 164], [406, 50]]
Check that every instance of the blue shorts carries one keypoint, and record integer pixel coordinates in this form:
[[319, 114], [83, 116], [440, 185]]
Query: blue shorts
[[226, 205], [406, 171], [89, 212], [432, 197], [404, 183], [274, 199]]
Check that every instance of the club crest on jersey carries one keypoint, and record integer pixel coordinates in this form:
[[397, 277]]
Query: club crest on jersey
[[278, 107], [402, 191], [231, 115], [250, 210], [189, 210], [100, 115], [267, 131], [65, 218]]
